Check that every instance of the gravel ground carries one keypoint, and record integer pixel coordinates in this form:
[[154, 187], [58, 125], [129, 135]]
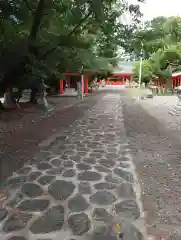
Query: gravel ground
[[157, 155], [160, 107], [19, 141]]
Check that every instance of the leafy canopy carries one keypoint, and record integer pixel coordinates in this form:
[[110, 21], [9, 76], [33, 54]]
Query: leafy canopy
[[48, 37], [161, 47]]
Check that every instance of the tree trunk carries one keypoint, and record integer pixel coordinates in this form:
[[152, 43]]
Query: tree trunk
[[33, 96], [35, 27], [32, 48]]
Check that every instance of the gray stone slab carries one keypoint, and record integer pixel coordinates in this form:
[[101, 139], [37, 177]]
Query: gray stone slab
[[61, 190], [101, 214], [76, 158], [83, 166], [55, 171], [34, 205], [34, 175], [104, 185], [90, 160], [128, 209], [84, 188], [78, 204], [69, 173], [111, 150], [102, 169], [102, 198], [52, 220], [24, 170], [89, 176], [44, 166], [113, 179], [127, 176], [124, 165], [16, 222], [125, 190], [56, 162], [122, 159], [15, 182], [46, 179], [68, 164], [107, 163], [79, 224], [32, 190], [131, 232], [103, 233]]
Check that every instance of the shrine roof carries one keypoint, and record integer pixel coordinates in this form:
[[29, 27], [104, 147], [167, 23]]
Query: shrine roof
[[124, 67], [176, 74]]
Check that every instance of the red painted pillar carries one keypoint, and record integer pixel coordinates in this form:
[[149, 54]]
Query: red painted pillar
[[61, 87], [86, 85]]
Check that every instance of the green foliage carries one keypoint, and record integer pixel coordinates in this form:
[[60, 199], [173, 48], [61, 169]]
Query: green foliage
[[146, 71], [159, 33], [45, 38], [162, 48]]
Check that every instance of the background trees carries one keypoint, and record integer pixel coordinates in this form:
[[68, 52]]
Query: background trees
[[161, 48]]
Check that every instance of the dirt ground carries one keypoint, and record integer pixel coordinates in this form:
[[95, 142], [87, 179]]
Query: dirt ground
[[21, 135]]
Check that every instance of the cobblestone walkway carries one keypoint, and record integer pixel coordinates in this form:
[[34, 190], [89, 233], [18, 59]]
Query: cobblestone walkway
[[84, 189]]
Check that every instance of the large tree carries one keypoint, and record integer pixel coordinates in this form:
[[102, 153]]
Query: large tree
[[47, 37]]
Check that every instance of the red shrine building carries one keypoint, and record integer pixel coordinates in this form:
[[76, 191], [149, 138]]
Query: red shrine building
[[121, 76], [70, 82], [176, 81], [119, 79]]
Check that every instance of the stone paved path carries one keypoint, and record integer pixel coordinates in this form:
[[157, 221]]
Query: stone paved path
[[85, 188]]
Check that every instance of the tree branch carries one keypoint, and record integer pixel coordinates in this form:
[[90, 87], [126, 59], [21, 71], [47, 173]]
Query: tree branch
[[70, 34], [29, 7]]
